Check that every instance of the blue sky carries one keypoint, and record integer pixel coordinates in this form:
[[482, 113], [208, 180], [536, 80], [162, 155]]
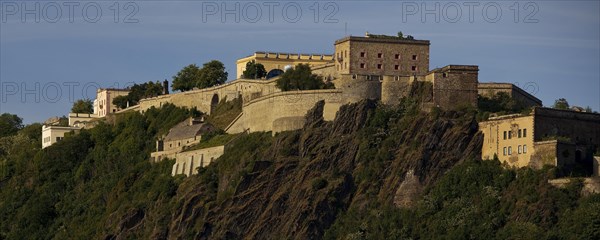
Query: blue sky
[[552, 48]]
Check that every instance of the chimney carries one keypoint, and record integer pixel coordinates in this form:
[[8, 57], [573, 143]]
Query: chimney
[[165, 87]]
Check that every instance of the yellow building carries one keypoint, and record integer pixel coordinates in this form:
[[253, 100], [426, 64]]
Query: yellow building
[[509, 137], [275, 63], [53, 134], [103, 103], [562, 138]]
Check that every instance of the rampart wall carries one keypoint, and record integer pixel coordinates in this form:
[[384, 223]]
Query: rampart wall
[[491, 89], [581, 128], [284, 111], [394, 88], [203, 99], [455, 86], [187, 162]]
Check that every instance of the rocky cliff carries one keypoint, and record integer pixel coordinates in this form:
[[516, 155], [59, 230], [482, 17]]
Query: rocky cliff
[[295, 184]]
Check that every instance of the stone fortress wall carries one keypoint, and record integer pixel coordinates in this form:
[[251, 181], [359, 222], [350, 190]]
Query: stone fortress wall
[[361, 68], [490, 89], [274, 61], [284, 111], [187, 162], [204, 99]]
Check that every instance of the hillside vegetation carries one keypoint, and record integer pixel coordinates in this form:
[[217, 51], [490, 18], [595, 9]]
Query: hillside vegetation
[[375, 172]]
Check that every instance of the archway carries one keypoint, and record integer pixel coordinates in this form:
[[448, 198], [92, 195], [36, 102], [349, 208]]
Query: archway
[[274, 73], [213, 103]]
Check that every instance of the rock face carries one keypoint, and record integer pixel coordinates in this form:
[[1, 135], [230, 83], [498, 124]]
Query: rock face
[[297, 186]]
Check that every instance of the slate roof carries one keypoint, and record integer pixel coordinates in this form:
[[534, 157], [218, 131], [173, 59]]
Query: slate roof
[[184, 130]]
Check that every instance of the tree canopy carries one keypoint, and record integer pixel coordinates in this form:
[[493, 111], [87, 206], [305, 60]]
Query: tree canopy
[[186, 78], [254, 70], [561, 103], [83, 106], [138, 92], [10, 124], [301, 78], [212, 73]]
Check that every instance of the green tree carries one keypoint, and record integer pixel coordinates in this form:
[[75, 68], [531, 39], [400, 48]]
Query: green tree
[[254, 70], [138, 92], [561, 103], [10, 124], [301, 78], [121, 101], [186, 78], [82, 106], [212, 73]]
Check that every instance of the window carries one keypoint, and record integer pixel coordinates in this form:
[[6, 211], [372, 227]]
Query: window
[[525, 132], [520, 149], [397, 56], [509, 134], [519, 133], [362, 54], [414, 68], [414, 57], [396, 67], [509, 150], [524, 148], [379, 66], [345, 53], [445, 75], [504, 151], [362, 65], [379, 55], [504, 135], [354, 76]]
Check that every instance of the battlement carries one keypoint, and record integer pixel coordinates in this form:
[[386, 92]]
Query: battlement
[[455, 68], [395, 40], [283, 55]]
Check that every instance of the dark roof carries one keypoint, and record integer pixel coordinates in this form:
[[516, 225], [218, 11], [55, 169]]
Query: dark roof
[[382, 40], [184, 130]]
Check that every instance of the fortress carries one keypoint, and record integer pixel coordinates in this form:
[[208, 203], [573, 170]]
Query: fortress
[[372, 67], [361, 68]]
